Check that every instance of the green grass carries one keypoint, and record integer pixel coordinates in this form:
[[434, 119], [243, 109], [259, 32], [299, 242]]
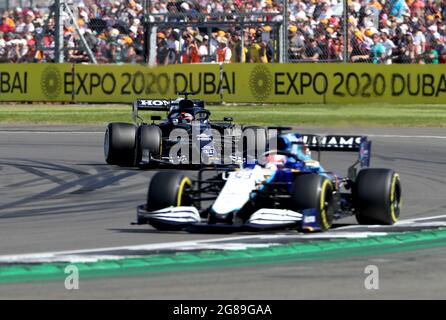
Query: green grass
[[296, 115]]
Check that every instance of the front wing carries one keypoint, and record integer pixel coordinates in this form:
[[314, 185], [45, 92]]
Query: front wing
[[188, 218]]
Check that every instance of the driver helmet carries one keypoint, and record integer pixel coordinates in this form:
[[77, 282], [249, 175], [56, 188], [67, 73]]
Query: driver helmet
[[274, 161], [185, 117], [303, 152]]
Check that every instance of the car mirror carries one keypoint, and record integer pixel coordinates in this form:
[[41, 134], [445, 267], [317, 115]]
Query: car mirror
[[155, 118], [229, 119]]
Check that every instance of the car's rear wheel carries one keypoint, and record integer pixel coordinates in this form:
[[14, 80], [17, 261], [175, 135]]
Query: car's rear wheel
[[120, 144], [314, 191], [168, 189], [149, 146], [377, 196]]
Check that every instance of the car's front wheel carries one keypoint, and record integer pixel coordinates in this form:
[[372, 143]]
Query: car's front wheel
[[314, 191], [168, 189]]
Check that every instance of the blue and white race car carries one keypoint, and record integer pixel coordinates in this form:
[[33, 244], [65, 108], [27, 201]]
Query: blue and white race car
[[284, 188]]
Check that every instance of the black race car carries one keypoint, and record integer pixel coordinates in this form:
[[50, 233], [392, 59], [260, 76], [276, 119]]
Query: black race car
[[185, 137]]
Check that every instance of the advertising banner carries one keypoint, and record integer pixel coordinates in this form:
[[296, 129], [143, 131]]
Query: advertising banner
[[34, 82], [106, 83], [125, 83], [237, 83], [334, 83]]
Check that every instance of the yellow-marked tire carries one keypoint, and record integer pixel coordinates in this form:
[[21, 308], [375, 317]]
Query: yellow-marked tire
[[377, 196], [314, 191], [167, 189]]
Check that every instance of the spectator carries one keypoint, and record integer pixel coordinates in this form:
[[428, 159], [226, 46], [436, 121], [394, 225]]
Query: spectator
[[359, 51], [162, 51], [312, 52], [431, 55], [191, 52], [258, 50], [7, 24], [202, 43], [409, 31], [388, 45], [407, 50], [223, 53], [269, 43], [297, 43], [377, 51], [442, 58], [438, 44], [238, 53], [334, 48], [173, 48], [419, 41], [322, 41], [27, 25]]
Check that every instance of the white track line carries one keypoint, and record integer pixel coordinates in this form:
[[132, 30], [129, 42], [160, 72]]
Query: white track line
[[153, 246], [415, 220], [101, 253], [236, 242]]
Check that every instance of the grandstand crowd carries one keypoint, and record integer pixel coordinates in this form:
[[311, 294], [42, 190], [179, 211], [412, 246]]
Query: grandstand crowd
[[379, 31]]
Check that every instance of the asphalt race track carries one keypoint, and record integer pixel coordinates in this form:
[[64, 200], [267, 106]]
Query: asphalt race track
[[56, 194]]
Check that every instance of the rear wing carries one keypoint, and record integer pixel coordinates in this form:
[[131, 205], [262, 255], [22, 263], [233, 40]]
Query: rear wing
[[341, 143], [149, 105]]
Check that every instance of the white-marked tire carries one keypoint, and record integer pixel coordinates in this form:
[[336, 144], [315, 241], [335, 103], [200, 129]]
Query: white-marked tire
[[377, 196], [168, 189], [314, 191], [120, 144]]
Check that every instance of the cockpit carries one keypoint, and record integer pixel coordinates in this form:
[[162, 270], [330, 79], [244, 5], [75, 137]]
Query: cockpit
[[285, 157], [185, 111], [181, 117]]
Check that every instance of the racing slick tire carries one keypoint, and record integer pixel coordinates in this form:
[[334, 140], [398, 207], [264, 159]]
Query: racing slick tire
[[120, 144], [168, 189], [377, 196], [261, 141], [314, 191], [149, 145]]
